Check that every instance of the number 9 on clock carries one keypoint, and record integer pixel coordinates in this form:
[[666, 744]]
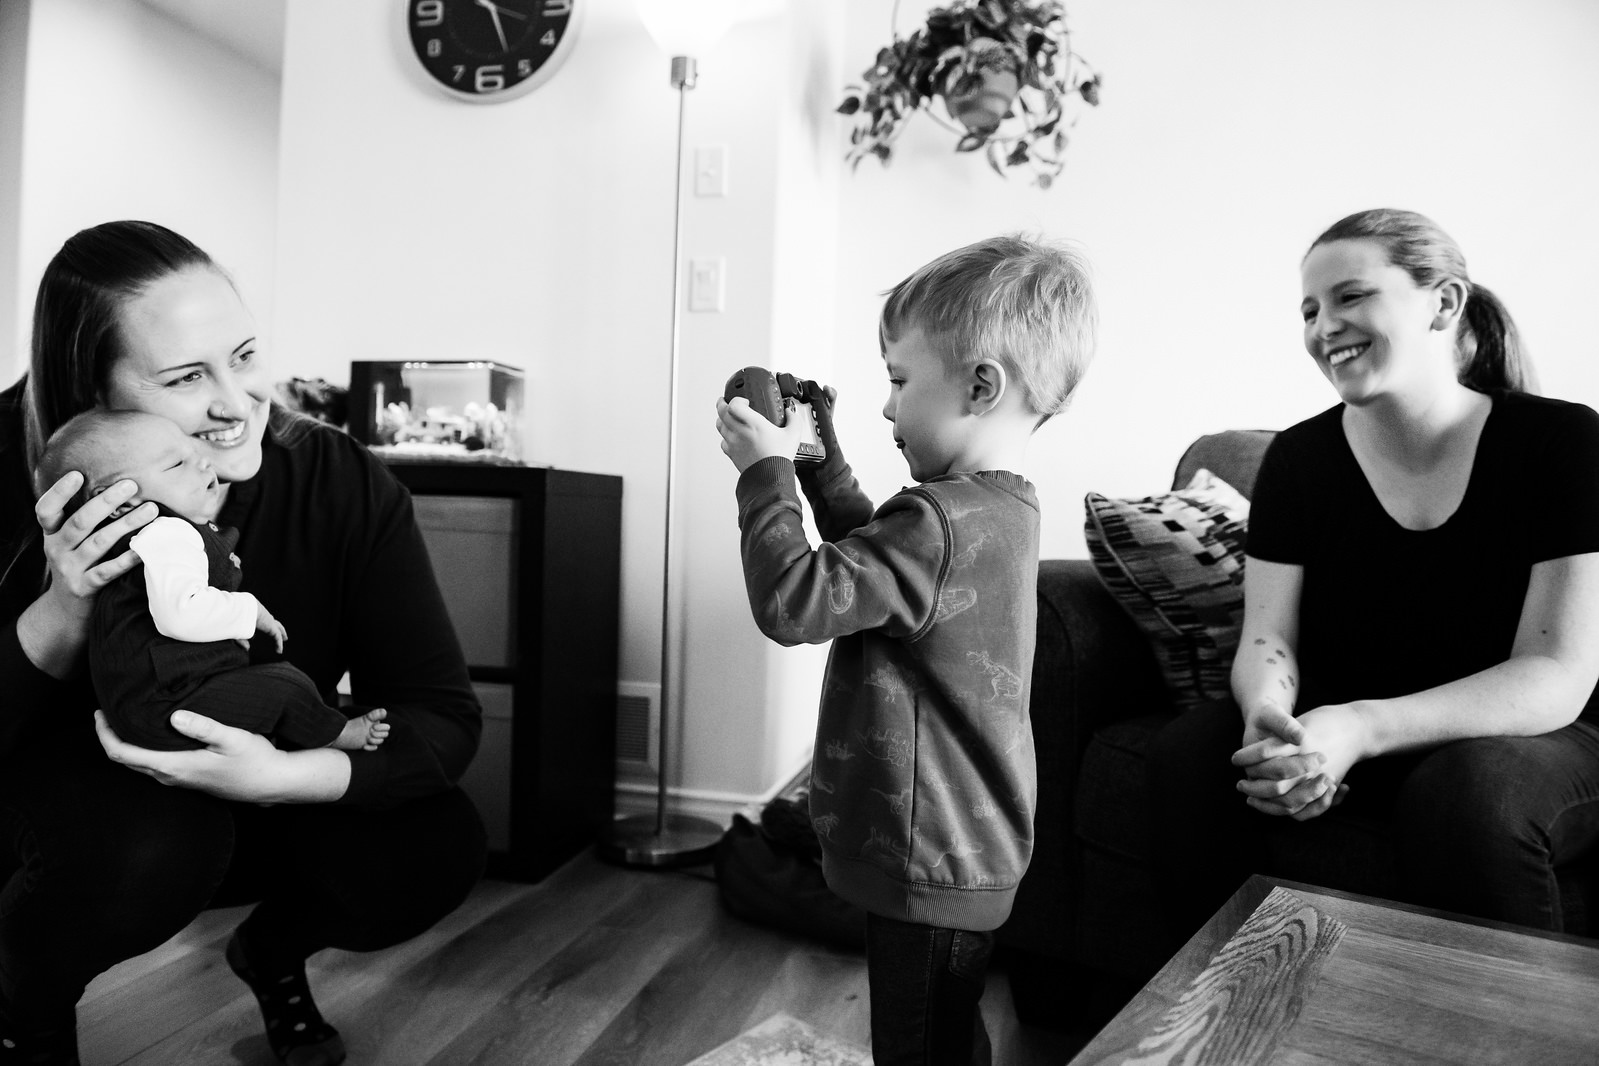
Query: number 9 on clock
[[486, 51]]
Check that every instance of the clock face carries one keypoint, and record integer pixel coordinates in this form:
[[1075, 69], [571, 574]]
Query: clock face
[[487, 50]]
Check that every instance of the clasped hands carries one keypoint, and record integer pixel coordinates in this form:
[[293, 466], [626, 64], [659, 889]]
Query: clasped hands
[[1295, 767]]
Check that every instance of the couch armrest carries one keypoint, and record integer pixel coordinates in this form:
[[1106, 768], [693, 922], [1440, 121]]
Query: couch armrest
[[1091, 667]]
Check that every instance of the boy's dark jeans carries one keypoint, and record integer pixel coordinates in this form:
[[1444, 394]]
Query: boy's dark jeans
[[926, 985]]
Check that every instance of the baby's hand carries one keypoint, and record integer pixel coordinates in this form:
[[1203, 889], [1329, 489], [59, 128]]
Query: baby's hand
[[747, 437], [265, 623]]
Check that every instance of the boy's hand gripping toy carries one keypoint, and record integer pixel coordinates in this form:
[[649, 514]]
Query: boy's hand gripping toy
[[777, 397]]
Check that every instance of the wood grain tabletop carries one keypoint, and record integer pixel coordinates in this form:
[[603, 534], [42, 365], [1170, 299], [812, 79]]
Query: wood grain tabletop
[[1293, 974]]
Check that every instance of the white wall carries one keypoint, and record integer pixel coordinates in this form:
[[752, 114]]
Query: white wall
[[126, 114], [538, 232], [1231, 132], [806, 250], [13, 72], [751, 704]]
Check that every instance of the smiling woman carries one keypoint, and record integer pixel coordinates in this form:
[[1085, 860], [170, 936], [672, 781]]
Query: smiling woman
[[1366, 273], [357, 849], [145, 336], [1414, 652], [192, 355]]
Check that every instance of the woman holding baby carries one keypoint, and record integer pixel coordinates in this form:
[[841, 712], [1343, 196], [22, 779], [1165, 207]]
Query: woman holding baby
[[1421, 631], [357, 850]]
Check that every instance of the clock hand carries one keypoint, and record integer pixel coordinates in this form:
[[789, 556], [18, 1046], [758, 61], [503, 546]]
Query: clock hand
[[492, 6], [494, 13]]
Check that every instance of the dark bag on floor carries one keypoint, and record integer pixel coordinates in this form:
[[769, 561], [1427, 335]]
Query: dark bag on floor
[[771, 874]]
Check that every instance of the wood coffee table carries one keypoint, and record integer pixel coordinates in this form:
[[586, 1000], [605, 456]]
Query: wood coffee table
[[1291, 973]]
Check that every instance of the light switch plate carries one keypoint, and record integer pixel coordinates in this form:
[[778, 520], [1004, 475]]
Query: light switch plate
[[707, 283], [710, 170]]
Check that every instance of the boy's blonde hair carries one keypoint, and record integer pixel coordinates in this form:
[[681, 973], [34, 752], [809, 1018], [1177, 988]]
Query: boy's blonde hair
[[1024, 302]]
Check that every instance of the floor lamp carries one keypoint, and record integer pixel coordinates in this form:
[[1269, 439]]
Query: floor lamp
[[684, 29]]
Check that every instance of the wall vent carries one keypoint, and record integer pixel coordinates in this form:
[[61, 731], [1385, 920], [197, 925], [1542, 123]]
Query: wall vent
[[636, 738]]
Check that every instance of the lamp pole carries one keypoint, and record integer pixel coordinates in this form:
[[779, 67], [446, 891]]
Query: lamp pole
[[667, 839]]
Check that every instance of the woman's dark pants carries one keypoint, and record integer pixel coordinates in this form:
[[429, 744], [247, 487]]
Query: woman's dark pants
[[1478, 826], [101, 863]]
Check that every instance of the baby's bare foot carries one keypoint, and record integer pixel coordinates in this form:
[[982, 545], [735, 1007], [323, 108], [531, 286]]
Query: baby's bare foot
[[364, 733]]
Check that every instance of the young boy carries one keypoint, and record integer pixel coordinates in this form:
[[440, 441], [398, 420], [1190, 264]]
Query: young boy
[[174, 633], [923, 781]]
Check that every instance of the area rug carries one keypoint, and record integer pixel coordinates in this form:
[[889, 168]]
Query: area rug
[[782, 1040]]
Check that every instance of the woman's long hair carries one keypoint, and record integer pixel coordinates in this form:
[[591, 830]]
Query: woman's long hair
[[76, 335], [1489, 354]]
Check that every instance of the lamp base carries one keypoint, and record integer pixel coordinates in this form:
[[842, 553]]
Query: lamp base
[[682, 840]]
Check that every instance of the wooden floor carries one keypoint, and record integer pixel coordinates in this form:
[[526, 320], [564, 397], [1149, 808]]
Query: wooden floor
[[595, 964]]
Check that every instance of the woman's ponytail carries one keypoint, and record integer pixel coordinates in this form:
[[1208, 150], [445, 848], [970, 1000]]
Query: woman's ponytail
[[1490, 352]]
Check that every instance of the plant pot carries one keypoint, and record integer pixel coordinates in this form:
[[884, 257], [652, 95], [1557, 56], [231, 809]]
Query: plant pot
[[979, 100]]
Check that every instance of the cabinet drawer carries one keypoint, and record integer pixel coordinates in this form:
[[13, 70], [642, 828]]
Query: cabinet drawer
[[472, 542], [529, 564]]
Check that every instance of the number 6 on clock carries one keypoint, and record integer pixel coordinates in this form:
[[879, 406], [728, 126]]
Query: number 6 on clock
[[510, 46]]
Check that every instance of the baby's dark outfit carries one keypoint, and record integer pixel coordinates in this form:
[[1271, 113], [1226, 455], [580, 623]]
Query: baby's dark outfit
[[142, 674]]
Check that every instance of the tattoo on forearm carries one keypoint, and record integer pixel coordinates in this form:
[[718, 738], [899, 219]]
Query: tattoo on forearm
[[1284, 683]]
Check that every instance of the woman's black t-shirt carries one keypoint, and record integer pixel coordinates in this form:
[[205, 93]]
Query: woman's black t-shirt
[[1386, 611]]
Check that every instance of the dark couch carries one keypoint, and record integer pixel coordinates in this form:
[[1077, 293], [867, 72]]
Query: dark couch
[[1083, 934]]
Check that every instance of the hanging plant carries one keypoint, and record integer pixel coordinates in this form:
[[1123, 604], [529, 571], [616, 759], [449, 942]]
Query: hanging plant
[[1005, 71]]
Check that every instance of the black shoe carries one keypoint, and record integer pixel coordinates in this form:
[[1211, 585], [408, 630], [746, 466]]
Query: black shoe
[[294, 1027], [52, 1046]]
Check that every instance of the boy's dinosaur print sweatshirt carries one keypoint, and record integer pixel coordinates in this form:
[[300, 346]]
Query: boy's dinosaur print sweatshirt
[[923, 782]]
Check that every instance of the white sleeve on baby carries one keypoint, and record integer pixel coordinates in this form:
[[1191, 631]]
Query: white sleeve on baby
[[183, 602]]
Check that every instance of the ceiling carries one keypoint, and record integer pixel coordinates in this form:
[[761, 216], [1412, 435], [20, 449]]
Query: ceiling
[[251, 28]]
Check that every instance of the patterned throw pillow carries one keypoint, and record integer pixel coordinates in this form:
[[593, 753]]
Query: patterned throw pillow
[[1175, 563]]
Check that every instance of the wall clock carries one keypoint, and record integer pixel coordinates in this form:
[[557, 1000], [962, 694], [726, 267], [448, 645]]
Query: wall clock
[[490, 50]]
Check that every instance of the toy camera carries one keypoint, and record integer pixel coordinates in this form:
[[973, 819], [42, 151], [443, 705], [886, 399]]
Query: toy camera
[[778, 397]]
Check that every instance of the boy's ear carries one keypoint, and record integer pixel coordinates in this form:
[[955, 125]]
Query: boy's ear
[[984, 386]]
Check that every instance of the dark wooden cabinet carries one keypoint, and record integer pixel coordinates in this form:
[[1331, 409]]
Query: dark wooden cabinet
[[529, 560]]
